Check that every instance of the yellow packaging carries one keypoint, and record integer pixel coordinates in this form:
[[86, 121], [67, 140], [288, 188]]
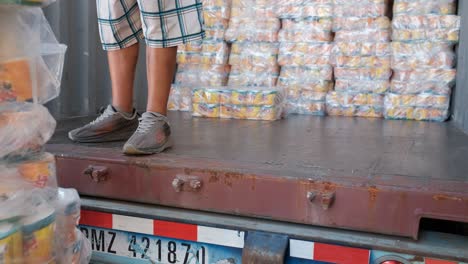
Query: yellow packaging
[[11, 244], [38, 237], [41, 172], [206, 110], [15, 81]]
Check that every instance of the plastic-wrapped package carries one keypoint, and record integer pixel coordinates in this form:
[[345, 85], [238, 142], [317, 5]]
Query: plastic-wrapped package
[[423, 7], [422, 86], [446, 76], [216, 13], [425, 107], [78, 253], [355, 104], [191, 47], [305, 108], [251, 3], [211, 52], [323, 24], [31, 70], [309, 34], [360, 61], [359, 23], [24, 129], [254, 53], [303, 53], [362, 49], [433, 35], [253, 75], [214, 34], [369, 74], [259, 103], [318, 86], [202, 74], [362, 86], [253, 29], [356, 9], [429, 22], [252, 12], [306, 73], [180, 98], [287, 9], [365, 35]]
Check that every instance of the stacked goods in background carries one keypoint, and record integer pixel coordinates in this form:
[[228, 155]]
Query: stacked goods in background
[[361, 57], [250, 92], [253, 32], [203, 63], [37, 219], [423, 59], [254, 103], [304, 54]]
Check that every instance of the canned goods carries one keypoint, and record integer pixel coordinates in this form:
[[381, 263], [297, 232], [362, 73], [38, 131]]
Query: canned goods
[[11, 243], [38, 236]]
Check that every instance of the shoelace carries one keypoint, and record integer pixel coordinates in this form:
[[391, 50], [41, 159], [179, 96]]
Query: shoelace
[[103, 116], [147, 123]]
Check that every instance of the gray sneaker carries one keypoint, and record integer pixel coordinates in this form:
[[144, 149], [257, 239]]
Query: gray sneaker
[[151, 137], [111, 125]]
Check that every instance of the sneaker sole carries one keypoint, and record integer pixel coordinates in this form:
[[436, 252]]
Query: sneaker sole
[[132, 150], [111, 137]]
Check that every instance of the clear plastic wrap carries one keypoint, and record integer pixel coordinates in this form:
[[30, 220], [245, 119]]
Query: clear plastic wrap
[[319, 86], [31, 70], [363, 74], [24, 129], [303, 53], [254, 53], [208, 52], [252, 12], [359, 23], [306, 30], [432, 35], [355, 104], [356, 9], [361, 61], [364, 35], [422, 86], [429, 22], [362, 49], [263, 4], [253, 29], [253, 75], [260, 103], [305, 102], [180, 98], [446, 76], [362, 86], [423, 7], [287, 9], [307, 73], [425, 107], [202, 74]]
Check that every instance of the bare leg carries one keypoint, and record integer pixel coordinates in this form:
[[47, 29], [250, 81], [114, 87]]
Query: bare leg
[[160, 66], [122, 65]]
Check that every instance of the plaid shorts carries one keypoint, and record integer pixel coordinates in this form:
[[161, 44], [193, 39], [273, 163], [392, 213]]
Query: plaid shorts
[[162, 23]]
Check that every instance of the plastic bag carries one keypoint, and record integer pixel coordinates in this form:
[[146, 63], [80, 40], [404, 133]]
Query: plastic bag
[[362, 86], [253, 75], [423, 7], [362, 49], [305, 101], [304, 54], [446, 76], [424, 107], [287, 9], [356, 9], [359, 23], [24, 129], [31, 59], [363, 74], [260, 103], [355, 104], [180, 98], [262, 54], [422, 86], [202, 74], [206, 52], [364, 35], [253, 28]]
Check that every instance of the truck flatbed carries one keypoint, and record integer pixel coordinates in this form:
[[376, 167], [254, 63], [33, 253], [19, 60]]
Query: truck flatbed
[[361, 174]]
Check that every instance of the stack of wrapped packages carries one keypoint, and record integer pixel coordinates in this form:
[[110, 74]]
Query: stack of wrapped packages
[[361, 57], [251, 92], [304, 56], [423, 59], [37, 219], [203, 63]]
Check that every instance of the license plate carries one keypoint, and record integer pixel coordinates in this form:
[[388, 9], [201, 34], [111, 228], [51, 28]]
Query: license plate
[[114, 246]]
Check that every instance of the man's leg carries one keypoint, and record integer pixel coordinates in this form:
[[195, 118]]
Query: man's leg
[[153, 133], [160, 67], [122, 65]]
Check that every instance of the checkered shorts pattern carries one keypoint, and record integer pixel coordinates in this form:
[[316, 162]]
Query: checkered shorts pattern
[[162, 23]]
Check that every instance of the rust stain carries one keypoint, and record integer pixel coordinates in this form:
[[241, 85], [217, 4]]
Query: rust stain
[[443, 197], [373, 191]]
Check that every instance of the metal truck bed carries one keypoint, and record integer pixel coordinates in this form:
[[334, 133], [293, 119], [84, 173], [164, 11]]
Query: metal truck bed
[[359, 174]]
